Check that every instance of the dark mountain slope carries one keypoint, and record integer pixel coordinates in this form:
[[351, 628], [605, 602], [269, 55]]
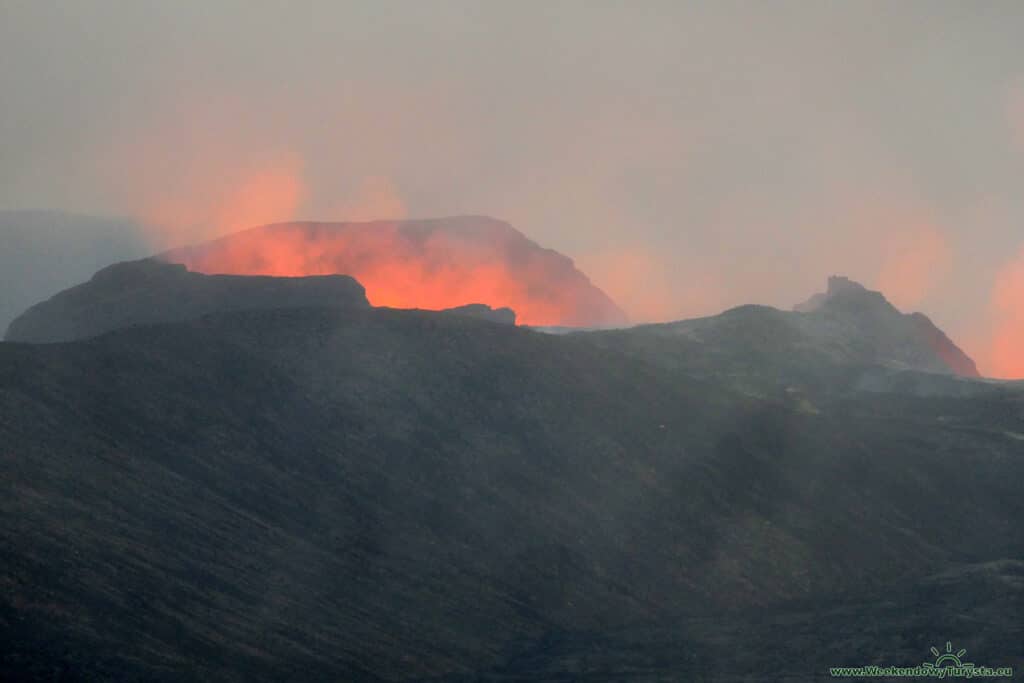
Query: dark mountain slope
[[975, 606], [324, 495], [149, 291], [874, 327], [848, 340]]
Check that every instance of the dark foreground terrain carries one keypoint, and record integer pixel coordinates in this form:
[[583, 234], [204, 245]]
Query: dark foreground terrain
[[378, 495]]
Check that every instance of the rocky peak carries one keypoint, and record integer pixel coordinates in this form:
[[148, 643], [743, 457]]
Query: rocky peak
[[149, 292], [907, 339], [846, 295]]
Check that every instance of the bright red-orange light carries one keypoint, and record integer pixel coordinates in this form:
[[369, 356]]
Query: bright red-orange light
[[1007, 354], [426, 264]]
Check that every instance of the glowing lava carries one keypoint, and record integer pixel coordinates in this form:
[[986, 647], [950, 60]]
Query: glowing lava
[[1007, 348], [431, 264]]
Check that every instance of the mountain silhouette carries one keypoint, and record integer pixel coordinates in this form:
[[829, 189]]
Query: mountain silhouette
[[149, 291], [431, 264], [909, 338]]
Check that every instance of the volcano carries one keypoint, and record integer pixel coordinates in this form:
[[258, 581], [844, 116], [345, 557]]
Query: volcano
[[912, 339], [430, 264]]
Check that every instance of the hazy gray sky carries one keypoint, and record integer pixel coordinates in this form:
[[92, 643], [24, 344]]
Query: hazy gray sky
[[688, 156]]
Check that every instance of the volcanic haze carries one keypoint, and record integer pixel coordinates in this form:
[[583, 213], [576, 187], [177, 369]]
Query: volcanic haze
[[432, 264]]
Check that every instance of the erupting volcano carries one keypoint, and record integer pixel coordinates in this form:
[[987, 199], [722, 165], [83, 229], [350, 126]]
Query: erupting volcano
[[431, 264]]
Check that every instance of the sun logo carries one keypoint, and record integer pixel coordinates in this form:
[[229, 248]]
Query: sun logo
[[947, 659]]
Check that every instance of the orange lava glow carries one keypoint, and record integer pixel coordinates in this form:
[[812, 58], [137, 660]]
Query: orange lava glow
[[917, 256], [1007, 351], [187, 176], [263, 194], [644, 283], [418, 264]]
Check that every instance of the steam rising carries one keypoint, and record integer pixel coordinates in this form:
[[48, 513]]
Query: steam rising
[[687, 157]]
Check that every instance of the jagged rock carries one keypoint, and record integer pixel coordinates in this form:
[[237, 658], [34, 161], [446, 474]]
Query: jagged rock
[[505, 316], [903, 338], [848, 328]]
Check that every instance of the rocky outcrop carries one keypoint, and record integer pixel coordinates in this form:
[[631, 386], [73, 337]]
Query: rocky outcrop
[[911, 339], [149, 291], [505, 316]]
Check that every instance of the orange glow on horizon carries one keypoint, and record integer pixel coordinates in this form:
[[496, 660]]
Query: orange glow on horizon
[[423, 267], [916, 256], [197, 167], [640, 280], [268, 193], [1007, 347]]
